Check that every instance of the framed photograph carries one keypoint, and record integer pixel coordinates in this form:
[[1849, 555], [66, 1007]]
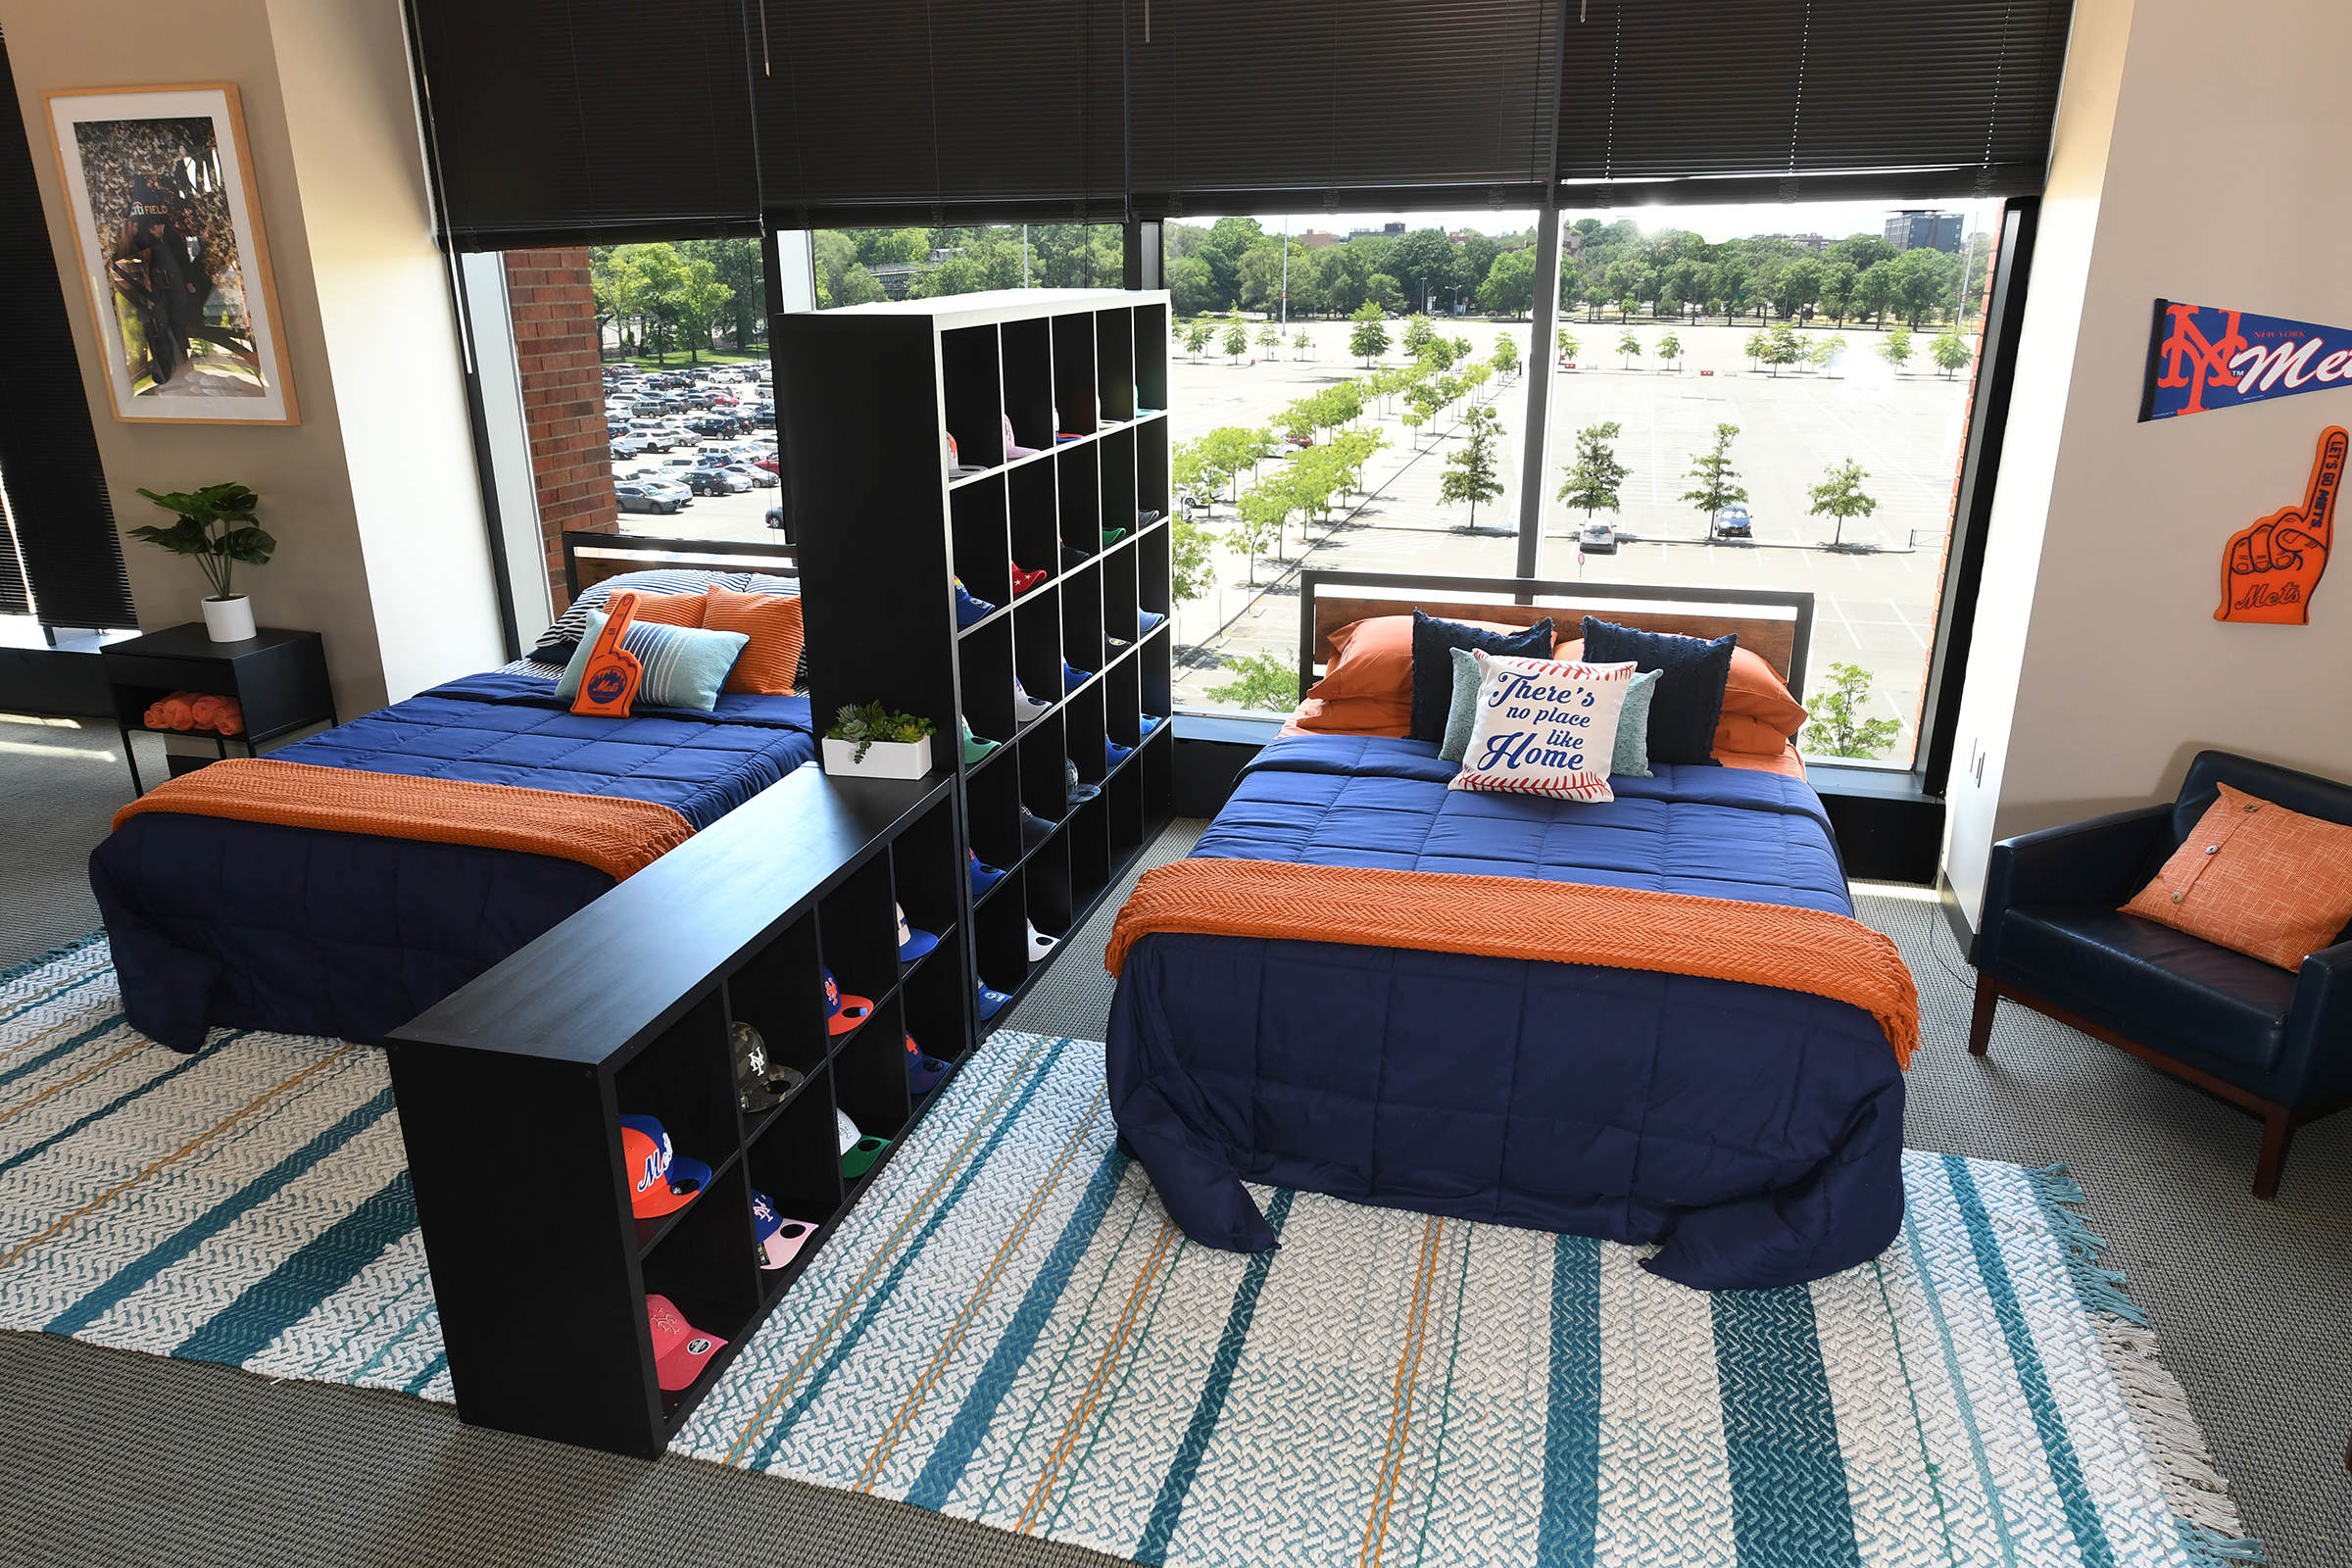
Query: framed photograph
[[170, 236]]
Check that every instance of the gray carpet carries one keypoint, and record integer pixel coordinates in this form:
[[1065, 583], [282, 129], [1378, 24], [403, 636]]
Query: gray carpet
[[117, 1458], [61, 781]]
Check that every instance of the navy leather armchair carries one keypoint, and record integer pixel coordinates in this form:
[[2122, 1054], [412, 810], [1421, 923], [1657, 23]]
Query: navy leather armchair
[[2051, 939]]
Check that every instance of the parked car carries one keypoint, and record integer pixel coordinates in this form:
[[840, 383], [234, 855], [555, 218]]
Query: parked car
[[669, 490], [638, 498], [652, 436], [1731, 522], [623, 448], [1598, 539], [715, 482], [770, 464], [759, 478], [775, 519]]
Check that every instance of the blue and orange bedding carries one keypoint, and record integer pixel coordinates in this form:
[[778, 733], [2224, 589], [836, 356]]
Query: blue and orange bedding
[[258, 925], [1753, 1132]]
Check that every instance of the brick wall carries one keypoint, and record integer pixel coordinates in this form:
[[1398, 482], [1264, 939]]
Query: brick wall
[[562, 399]]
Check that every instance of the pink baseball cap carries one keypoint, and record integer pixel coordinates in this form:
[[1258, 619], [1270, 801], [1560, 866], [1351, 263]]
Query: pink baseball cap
[[680, 1350]]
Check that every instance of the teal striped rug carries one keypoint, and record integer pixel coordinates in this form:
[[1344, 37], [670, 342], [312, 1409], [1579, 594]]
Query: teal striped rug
[[1010, 1331]]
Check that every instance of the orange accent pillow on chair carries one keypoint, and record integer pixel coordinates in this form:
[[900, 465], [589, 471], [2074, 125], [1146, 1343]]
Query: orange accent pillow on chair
[[2256, 878], [773, 623]]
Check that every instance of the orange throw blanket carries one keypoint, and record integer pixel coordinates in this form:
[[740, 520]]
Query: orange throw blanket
[[1520, 917], [617, 837]]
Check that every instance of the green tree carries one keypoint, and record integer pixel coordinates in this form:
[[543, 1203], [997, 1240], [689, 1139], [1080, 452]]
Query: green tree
[[1838, 289], [1437, 353], [1950, 354], [1825, 353], [1192, 286], [695, 304], [1266, 680], [1510, 288], [1386, 292], [1236, 341], [1197, 333], [1715, 482], [1670, 347], [1835, 730], [1795, 288], [1781, 346], [1627, 347], [1895, 347], [1593, 480], [1418, 335], [1470, 474], [1269, 338], [1877, 289], [1840, 496], [1507, 347], [1568, 345], [841, 277], [1191, 570], [738, 265], [1924, 281], [1370, 338], [1757, 345], [1261, 512], [1302, 344]]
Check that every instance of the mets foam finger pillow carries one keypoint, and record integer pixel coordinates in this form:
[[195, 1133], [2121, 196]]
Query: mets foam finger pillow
[[1544, 727]]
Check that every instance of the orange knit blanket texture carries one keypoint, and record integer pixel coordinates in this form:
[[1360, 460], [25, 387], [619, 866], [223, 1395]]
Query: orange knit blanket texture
[[1521, 917], [617, 837]]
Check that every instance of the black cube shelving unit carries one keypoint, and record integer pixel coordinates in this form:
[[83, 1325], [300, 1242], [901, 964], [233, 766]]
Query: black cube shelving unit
[[511, 1093], [867, 398]]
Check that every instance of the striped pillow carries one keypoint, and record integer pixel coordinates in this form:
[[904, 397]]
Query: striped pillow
[[683, 668], [1544, 727], [773, 623]]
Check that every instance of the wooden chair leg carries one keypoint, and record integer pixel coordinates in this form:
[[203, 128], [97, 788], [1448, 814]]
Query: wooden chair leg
[[2277, 1131], [1979, 1022]]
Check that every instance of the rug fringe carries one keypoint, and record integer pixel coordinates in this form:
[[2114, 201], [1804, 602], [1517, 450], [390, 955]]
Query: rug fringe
[[2198, 1493], [19, 971]]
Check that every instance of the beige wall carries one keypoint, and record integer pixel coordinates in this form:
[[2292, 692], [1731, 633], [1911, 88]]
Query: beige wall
[[373, 497], [2098, 670]]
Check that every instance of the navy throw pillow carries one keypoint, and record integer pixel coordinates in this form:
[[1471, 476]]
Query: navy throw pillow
[[1692, 675], [1433, 664]]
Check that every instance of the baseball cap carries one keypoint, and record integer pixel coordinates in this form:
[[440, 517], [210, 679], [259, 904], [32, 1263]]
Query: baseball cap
[[844, 1129], [754, 1087], [660, 1182], [861, 1157], [680, 1350], [844, 1013], [913, 944], [922, 1071], [779, 1238], [1011, 448]]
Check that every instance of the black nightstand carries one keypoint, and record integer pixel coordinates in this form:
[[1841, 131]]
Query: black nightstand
[[279, 677]]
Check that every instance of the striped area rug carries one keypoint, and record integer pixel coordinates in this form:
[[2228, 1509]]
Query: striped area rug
[[248, 1204], [1009, 1330]]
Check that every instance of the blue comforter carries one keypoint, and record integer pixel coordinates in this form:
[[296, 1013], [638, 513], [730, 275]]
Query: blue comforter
[[1755, 1133], [258, 926]]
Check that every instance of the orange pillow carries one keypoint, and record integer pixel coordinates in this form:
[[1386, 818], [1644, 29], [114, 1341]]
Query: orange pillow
[[1754, 691], [2256, 878], [773, 623], [1357, 715], [1738, 732], [1374, 657], [670, 609]]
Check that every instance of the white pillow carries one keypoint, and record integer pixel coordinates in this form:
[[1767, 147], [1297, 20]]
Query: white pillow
[[1544, 727]]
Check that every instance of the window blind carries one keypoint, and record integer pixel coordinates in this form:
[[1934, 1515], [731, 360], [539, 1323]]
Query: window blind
[[1695, 101], [578, 121], [1375, 105], [65, 548]]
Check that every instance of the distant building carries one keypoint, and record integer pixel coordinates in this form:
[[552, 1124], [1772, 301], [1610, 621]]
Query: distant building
[[1816, 243], [1923, 230], [1384, 231], [897, 276], [1320, 238]]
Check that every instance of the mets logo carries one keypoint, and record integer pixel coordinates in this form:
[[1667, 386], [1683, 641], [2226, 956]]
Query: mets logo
[[652, 1172], [698, 1346], [607, 685], [2202, 357]]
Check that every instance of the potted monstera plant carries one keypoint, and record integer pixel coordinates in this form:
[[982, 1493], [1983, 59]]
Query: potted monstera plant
[[214, 527], [871, 741]]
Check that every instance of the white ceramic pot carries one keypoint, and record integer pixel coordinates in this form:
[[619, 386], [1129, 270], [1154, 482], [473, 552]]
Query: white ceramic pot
[[229, 621], [883, 759]]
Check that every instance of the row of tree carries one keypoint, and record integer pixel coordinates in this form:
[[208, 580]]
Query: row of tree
[[963, 261], [680, 297], [1592, 481]]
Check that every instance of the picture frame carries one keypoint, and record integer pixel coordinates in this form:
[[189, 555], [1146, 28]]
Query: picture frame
[[173, 258]]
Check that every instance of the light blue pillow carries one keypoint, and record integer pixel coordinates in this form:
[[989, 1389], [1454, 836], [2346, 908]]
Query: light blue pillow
[[1631, 759], [1462, 715], [684, 666]]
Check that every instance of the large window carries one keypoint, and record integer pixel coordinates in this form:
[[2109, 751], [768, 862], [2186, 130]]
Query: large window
[[1766, 396]]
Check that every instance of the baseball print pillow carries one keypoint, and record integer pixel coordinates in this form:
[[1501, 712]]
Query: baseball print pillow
[[1544, 727]]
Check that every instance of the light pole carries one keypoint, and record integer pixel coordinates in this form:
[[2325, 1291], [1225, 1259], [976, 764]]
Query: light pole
[[1285, 275]]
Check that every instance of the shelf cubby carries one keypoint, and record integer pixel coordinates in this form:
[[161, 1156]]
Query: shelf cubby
[[926, 874], [1045, 781], [1083, 731], [1001, 946], [986, 686], [1124, 812], [870, 1073], [794, 1158], [976, 515], [1114, 362], [1074, 371], [1046, 885], [1076, 472], [992, 808], [1036, 649], [1122, 693], [1116, 454], [936, 1008], [684, 1080], [1151, 476], [1090, 853], [859, 932], [1151, 356], [780, 992], [1036, 522], [970, 382], [1082, 618], [1028, 360], [1120, 595]]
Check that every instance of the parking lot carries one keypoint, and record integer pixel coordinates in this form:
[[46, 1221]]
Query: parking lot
[[738, 514]]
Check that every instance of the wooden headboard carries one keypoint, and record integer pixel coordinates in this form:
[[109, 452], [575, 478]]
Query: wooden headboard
[[589, 558], [1774, 625]]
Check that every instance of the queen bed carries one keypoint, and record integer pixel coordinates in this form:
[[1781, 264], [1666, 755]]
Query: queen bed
[[1752, 1130], [253, 924]]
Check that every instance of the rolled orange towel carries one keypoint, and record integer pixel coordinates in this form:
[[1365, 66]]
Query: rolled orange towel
[[178, 713], [203, 710], [154, 717], [232, 717]]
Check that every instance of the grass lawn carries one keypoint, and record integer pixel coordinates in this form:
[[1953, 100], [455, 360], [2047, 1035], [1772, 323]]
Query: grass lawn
[[679, 362]]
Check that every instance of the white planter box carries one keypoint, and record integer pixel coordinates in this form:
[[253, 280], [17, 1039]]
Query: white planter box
[[883, 759]]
